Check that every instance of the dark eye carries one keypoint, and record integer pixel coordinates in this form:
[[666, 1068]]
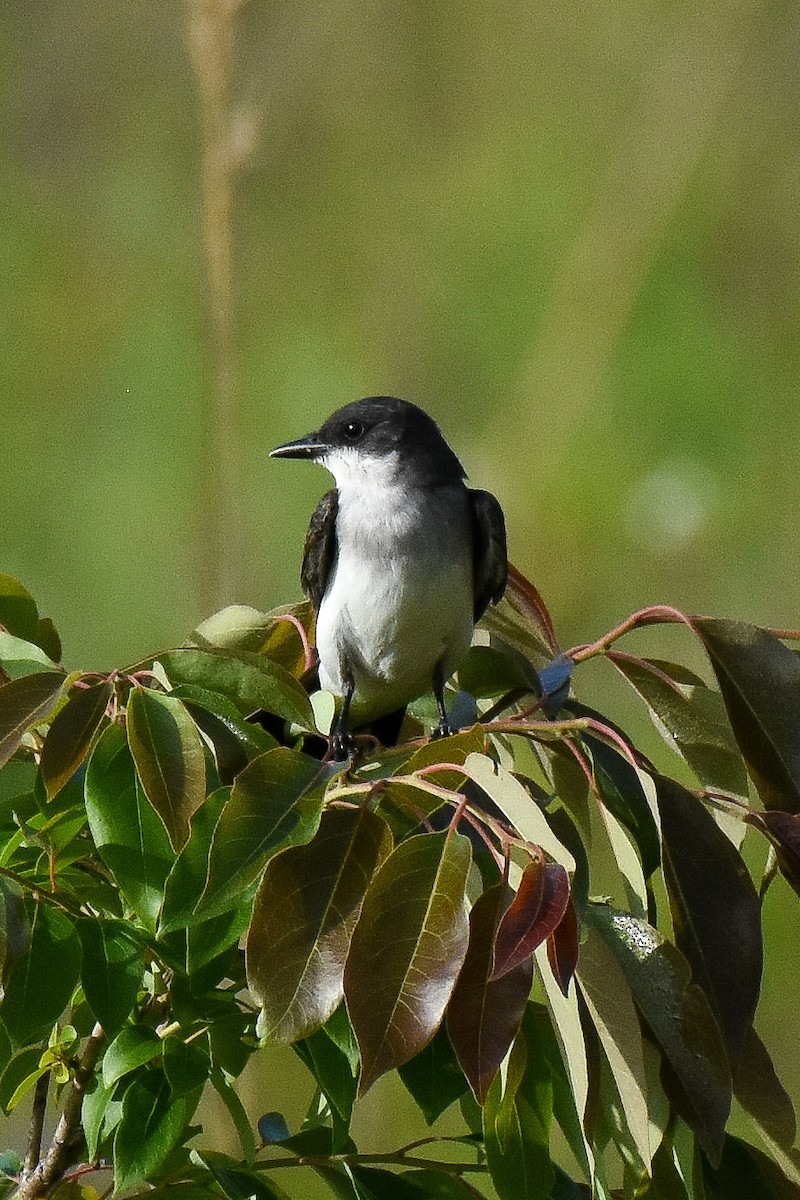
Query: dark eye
[[352, 431]]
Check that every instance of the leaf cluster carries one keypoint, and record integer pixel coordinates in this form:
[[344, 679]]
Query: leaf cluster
[[527, 919]]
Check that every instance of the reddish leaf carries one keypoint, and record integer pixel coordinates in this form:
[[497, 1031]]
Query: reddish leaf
[[25, 702], [303, 919], [71, 735], [533, 914], [562, 947], [407, 950], [484, 1014], [783, 830]]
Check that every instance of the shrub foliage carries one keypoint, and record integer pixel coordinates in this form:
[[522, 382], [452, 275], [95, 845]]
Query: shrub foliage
[[528, 919]]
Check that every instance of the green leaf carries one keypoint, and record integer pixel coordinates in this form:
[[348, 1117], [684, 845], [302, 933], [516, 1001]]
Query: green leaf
[[187, 878], [334, 1075], [516, 1121], [486, 673], [252, 683], [407, 950], [131, 1048], [18, 657], [94, 1107], [691, 717], [18, 611], [235, 741], [759, 678], [187, 1067], [128, 834], [71, 734], [679, 1017], [168, 753], [25, 702], [518, 806], [759, 1091], [276, 802], [783, 831], [111, 970], [237, 1184], [716, 914], [745, 1173], [622, 793], [43, 978], [152, 1125], [14, 928], [304, 915], [19, 1073], [484, 1013], [434, 1077], [610, 1005]]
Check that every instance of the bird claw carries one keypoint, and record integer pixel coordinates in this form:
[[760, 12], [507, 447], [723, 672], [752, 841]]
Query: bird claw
[[442, 730], [343, 746]]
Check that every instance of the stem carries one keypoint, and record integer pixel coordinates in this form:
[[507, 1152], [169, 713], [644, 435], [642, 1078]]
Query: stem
[[656, 614], [37, 1123], [51, 1168], [397, 1158], [210, 34]]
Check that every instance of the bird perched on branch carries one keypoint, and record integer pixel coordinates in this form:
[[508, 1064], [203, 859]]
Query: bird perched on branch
[[401, 559]]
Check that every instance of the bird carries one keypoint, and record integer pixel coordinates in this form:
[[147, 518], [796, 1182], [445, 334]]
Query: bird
[[400, 561]]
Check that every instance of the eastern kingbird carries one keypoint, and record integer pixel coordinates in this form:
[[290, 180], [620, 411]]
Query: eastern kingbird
[[400, 561]]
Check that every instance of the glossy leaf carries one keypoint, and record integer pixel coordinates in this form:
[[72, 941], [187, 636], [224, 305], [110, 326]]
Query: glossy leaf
[[238, 1184], [235, 741], [18, 657], [127, 832], [486, 672], [275, 802], [407, 950], [533, 914], [25, 702], [679, 1017], [111, 970], [691, 716], [716, 914], [168, 753], [521, 619], [71, 734], [131, 1048], [759, 678], [152, 1125], [610, 1005], [42, 979], [335, 1074], [304, 915], [517, 1118], [485, 1011], [252, 683]]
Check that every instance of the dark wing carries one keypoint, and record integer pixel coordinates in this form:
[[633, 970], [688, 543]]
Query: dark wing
[[319, 552], [490, 558]]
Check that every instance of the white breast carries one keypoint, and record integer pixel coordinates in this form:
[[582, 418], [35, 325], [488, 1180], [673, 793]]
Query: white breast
[[399, 600]]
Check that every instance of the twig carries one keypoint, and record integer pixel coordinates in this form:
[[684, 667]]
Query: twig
[[51, 1168], [37, 1123]]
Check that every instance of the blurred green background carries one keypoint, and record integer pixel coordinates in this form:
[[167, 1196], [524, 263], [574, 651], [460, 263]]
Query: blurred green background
[[569, 231]]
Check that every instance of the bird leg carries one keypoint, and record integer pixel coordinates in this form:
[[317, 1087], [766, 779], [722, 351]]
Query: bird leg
[[342, 741], [443, 729]]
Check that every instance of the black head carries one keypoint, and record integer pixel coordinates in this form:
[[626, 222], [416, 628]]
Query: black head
[[382, 428]]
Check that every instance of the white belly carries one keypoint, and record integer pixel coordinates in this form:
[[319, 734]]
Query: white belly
[[399, 601]]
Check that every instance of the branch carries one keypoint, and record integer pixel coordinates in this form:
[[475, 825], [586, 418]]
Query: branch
[[49, 1170]]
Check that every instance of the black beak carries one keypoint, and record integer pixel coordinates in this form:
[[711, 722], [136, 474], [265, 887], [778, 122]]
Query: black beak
[[310, 446]]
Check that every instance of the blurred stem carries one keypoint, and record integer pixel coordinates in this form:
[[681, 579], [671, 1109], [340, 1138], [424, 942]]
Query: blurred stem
[[210, 26]]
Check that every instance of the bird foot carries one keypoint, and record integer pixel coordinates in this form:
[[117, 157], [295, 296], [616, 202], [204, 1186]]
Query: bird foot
[[443, 729], [343, 745]]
